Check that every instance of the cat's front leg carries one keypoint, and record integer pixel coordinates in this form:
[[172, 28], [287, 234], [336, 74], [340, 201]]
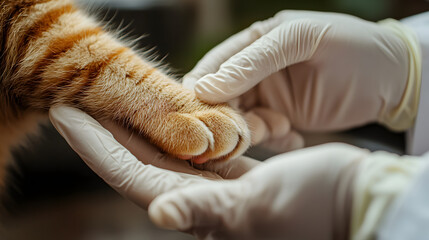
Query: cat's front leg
[[169, 115], [54, 53]]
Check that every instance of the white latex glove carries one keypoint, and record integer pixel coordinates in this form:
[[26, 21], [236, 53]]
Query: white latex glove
[[127, 162], [321, 71], [304, 194], [332, 191]]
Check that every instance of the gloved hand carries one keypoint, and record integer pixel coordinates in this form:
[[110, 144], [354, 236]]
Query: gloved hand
[[304, 194], [128, 163], [322, 71], [332, 191], [306, 189]]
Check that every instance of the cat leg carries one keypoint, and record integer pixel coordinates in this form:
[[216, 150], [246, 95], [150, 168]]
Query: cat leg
[[58, 55]]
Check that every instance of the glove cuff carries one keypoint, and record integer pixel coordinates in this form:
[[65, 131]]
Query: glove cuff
[[343, 200], [402, 117], [381, 178]]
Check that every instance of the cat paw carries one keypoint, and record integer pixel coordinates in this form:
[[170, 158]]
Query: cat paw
[[217, 133]]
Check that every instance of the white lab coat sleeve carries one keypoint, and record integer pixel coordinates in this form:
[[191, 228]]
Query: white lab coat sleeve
[[418, 136], [408, 216], [381, 178]]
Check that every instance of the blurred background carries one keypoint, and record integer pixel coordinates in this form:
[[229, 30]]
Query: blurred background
[[54, 195]]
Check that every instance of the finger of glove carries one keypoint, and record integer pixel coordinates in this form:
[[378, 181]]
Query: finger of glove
[[265, 123], [149, 154], [211, 62], [277, 123], [259, 131], [112, 162], [200, 209], [291, 141], [289, 43], [226, 210], [238, 167]]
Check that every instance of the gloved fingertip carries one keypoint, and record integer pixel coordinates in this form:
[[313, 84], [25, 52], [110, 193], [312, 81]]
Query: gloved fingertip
[[208, 91], [185, 157], [292, 141], [166, 215], [297, 141], [258, 129], [53, 110], [64, 118], [189, 82], [57, 111], [200, 160], [277, 123]]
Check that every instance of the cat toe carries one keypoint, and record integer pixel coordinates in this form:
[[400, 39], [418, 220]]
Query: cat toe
[[200, 136], [230, 133]]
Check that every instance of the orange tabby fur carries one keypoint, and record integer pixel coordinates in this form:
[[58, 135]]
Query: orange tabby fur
[[52, 53]]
